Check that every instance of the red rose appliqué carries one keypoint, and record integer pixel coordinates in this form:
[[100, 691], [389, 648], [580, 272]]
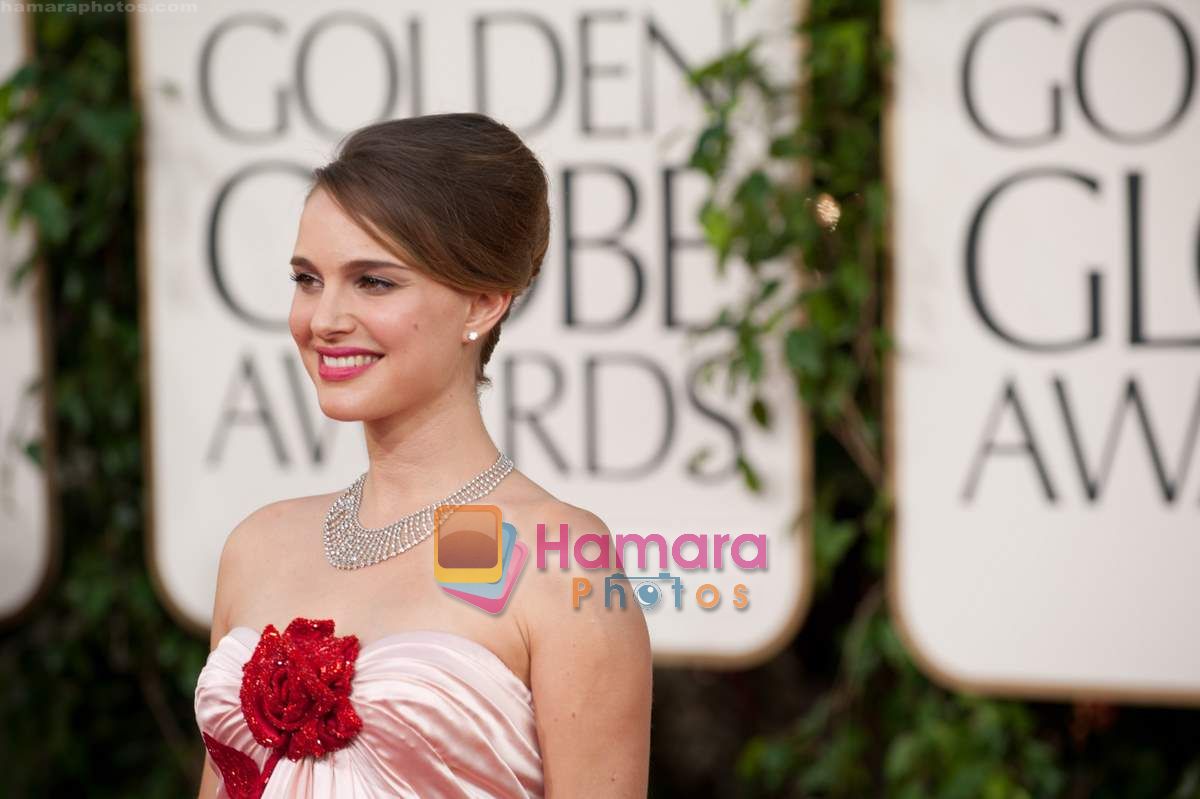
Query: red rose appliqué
[[295, 699]]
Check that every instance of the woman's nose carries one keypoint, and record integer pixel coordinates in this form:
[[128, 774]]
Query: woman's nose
[[331, 317]]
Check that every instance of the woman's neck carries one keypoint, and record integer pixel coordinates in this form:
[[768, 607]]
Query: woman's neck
[[422, 457]]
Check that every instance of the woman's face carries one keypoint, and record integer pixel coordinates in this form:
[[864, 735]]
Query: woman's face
[[376, 336]]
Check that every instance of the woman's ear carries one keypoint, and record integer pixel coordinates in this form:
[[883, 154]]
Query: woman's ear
[[486, 311]]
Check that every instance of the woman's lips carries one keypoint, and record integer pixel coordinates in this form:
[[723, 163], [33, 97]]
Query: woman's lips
[[344, 372]]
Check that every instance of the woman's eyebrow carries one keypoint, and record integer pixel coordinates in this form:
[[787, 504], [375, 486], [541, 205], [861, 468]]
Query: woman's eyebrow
[[356, 265]]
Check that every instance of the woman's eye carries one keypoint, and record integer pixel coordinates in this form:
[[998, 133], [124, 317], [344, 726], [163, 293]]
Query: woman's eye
[[366, 281], [375, 283]]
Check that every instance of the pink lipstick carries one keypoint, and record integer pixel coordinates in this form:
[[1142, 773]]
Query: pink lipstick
[[344, 363]]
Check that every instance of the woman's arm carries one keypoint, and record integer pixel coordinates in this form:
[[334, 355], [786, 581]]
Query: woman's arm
[[591, 676], [226, 573], [208, 783]]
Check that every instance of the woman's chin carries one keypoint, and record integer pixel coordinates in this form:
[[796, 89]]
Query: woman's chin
[[341, 410]]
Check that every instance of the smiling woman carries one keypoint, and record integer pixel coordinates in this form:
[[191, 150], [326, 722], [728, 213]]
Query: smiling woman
[[458, 194], [412, 245]]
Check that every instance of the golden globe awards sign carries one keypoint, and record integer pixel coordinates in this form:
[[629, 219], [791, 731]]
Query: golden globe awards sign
[[1046, 388], [598, 394], [27, 544]]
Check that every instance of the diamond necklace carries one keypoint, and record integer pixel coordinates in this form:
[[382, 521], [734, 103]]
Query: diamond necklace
[[349, 545]]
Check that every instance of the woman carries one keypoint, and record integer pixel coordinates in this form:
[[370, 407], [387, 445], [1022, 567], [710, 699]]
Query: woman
[[412, 245]]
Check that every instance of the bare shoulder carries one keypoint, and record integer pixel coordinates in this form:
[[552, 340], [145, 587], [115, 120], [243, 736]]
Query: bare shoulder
[[567, 602], [257, 538], [590, 664], [262, 528]]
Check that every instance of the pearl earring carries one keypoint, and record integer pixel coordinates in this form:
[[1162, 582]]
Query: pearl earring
[[472, 336]]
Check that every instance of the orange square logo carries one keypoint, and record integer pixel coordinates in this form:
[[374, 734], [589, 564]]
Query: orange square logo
[[467, 544]]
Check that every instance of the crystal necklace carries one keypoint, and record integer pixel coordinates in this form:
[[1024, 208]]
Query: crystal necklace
[[349, 545]]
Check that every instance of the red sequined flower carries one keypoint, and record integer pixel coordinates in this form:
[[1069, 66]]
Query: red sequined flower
[[296, 689], [295, 698]]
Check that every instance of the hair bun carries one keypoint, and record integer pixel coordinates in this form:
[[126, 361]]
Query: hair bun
[[538, 253], [459, 196]]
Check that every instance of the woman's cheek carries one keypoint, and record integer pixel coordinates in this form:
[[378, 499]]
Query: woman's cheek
[[298, 322]]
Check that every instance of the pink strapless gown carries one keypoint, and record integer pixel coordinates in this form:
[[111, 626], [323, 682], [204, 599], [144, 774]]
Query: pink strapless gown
[[442, 716]]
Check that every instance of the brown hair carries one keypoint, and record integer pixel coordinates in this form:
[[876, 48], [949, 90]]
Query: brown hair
[[458, 196]]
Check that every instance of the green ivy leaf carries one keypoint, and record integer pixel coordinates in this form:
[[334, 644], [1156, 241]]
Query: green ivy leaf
[[831, 541], [787, 146], [35, 452], [712, 149], [106, 130], [698, 459], [760, 413], [749, 475], [22, 272], [803, 348], [718, 230], [902, 757], [45, 205], [854, 282]]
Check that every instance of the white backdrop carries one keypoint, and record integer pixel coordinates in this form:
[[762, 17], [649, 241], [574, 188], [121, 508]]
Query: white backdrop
[[26, 540], [242, 99], [1046, 392]]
